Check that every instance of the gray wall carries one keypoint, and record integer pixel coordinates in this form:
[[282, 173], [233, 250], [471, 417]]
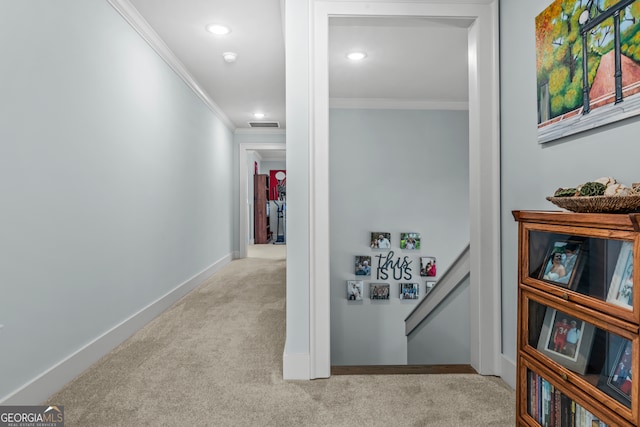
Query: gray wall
[[443, 337], [116, 181], [531, 171], [395, 171], [297, 345]]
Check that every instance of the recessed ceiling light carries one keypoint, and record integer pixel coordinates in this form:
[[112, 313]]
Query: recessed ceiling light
[[217, 29], [356, 56], [259, 115], [230, 56]]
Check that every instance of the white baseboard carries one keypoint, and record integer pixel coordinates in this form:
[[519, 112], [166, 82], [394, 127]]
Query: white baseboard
[[296, 366], [53, 379], [508, 371]]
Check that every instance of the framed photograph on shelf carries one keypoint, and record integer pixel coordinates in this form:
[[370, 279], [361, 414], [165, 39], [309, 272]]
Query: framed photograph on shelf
[[409, 291], [363, 265], [563, 264], [566, 339], [354, 290], [428, 266], [410, 241], [616, 379], [380, 240], [379, 291], [621, 287]]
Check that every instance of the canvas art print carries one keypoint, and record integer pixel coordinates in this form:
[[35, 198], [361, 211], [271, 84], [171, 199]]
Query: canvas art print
[[380, 240], [409, 291], [379, 290], [363, 265], [278, 185], [354, 290], [584, 67], [409, 240], [428, 266]]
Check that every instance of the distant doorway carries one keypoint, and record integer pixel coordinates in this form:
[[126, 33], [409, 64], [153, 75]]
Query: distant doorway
[[246, 197]]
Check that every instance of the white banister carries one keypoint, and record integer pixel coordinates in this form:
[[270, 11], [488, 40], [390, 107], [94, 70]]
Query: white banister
[[454, 275]]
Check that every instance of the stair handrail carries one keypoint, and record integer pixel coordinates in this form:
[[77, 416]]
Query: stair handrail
[[448, 282]]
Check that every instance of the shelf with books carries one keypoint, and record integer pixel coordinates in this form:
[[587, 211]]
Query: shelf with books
[[578, 319]]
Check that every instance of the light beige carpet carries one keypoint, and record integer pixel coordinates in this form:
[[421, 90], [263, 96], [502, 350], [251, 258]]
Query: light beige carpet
[[215, 359], [267, 251]]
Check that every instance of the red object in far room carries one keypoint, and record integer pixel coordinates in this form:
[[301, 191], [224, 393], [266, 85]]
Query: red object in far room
[[278, 184]]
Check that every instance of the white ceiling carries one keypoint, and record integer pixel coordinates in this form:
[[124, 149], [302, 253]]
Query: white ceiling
[[411, 62]]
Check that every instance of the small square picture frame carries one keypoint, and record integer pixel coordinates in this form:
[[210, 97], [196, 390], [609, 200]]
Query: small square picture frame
[[409, 291], [621, 286], [379, 291], [380, 240], [557, 342], [429, 285], [428, 266], [410, 241], [362, 266], [354, 290]]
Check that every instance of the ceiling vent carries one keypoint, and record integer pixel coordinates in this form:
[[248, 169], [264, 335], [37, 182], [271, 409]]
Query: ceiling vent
[[264, 124]]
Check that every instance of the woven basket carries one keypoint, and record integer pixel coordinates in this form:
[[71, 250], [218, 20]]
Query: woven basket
[[598, 204]]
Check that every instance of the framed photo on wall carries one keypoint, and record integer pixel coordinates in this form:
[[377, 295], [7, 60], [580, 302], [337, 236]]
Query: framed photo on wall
[[410, 241], [362, 265], [428, 266], [379, 291], [409, 291], [429, 287], [380, 240], [621, 287], [566, 339], [354, 290]]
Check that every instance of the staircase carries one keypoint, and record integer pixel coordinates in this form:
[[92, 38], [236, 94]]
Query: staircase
[[437, 329]]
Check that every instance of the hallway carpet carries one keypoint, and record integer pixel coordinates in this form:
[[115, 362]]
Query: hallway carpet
[[215, 359]]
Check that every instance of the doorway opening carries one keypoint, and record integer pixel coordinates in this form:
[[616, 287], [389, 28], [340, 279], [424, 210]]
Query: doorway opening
[[399, 163], [484, 171], [257, 158]]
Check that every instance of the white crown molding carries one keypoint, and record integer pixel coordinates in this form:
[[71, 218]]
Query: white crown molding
[[138, 23], [395, 104]]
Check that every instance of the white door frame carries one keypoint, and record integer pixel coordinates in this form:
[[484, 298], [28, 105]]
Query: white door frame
[[484, 172], [244, 226]]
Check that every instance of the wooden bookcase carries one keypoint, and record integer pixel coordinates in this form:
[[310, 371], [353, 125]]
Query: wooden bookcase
[[578, 319], [261, 226]]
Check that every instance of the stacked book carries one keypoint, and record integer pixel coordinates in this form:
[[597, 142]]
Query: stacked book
[[552, 408]]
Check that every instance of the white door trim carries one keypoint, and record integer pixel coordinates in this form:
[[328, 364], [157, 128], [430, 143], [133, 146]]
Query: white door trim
[[244, 187], [484, 171]]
